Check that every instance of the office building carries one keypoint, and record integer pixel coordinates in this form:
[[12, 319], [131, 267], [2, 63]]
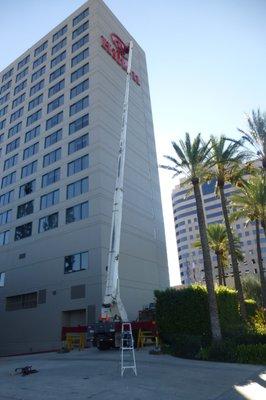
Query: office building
[[187, 231], [60, 121]]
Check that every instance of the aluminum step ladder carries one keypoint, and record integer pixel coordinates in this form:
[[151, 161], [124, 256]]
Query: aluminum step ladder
[[128, 360]]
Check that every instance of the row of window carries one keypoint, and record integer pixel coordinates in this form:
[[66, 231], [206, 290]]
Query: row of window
[[38, 74], [51, 91], [51, 177], [74, 126], [49, 222]]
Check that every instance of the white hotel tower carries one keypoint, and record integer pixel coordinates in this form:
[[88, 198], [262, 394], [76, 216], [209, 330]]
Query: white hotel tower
[[60, 121]]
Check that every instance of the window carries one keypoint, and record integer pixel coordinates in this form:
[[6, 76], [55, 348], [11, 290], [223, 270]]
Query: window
[[79, 72], [77, 165], [60, 33], [79, 57], [29, 169], [22, 301], [58, 59], [2, 124], [20, 87], [49, 199], [56, 119], [51, 177], [79, 124], [3, 111], [10, 162], [22, 74], [6, 198], [5, 217], [5, 87], [41, 48], [52, 157], [79, 106], [17, 114], [48, 222], [32, 133], [23, 231], [56, 88], [59, 46], [80, 17], [78, 144], [23, 62], [27, 188], [34, 117], [4, 98], [39, 60], [2, 279], [59, 101], [80, 29], [30, 151], [53, 138], [8, 179], [7, 75], [77, 213], [35, 102], [12, 145], [80, 88], [34, 89], [2, 138], [18, 100], [58, 72], [77, 188], [76, 262], [38, 74], [25, 209], [77, 45], [4, 238]]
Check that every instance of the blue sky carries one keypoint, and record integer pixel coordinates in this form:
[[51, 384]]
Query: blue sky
[[206, 62]]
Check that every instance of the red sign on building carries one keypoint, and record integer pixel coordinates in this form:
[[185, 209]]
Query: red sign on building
[[118, 51]]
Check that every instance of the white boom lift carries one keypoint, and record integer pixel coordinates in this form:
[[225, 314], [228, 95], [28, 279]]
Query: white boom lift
[[112, 303], [112, 306]]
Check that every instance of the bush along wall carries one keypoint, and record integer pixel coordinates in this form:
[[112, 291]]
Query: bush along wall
[[184, 326]]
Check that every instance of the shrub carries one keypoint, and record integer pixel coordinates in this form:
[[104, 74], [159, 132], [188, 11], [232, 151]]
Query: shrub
[[251, 354], [259, 322], [252, 289], [251, 307], [187, 346], [186, 312]]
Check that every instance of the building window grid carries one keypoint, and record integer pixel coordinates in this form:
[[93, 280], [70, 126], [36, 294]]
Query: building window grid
[[20, 87], [12, 145], [78, 165], [7, 75], [7, 198], [5, 87], [38, 86], [56, 88], [55, 120], [80, 88], [34, 117], [51, 177], [33, 133], [23, 62], [29, 169], [18, 100], [36, 75], [79, 106], [41, 48], [5, 217], [22, 74], [3, 111], [27, 188], [35, 102], [4, 238], [39, 60], [60, 33], [17, 114], [8, 179], [30, 151], [4, 98], [53, 138], [77, 188], [11, 162], [80, 17], [84, 69], [79, 124], [58, 72], [23, 231], [25, 209], [58, 59], [77, 212], [78, 144]]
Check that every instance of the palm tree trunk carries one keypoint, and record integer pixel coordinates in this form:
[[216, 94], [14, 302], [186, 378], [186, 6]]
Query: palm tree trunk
[[260, 263], [223, 274], [238, 284], [213, 308], [219, 265]]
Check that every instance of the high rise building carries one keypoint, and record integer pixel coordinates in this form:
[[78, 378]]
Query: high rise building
[[187, 231], [60, 121]]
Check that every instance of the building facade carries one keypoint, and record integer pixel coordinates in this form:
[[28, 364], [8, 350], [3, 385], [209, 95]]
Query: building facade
[[60, 122], [187, 231]]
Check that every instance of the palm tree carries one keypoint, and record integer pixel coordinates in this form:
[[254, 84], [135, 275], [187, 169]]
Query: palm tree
[[225, 167], [218, 242], [256, 135], [250, 203], [191, 160]]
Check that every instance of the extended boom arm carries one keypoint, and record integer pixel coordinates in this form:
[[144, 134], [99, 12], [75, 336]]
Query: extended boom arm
[[112, 304]]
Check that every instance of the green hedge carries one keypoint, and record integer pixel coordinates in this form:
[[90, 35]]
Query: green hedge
[[185, 312], [251, 307]]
